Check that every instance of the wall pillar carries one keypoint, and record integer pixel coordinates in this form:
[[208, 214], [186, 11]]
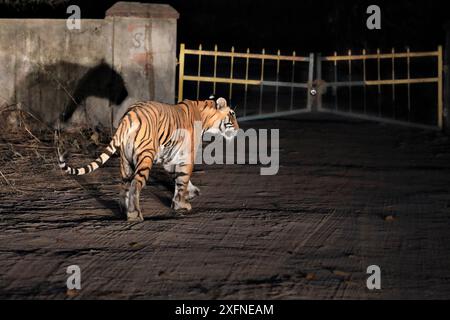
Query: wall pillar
[[92, 74]]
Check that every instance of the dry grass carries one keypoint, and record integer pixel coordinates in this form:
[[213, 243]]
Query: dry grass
[[30, 146]]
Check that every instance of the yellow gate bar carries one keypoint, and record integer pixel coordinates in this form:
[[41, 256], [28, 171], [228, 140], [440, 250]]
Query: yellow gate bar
[[181, 73], [400, 81], [382, 56], [245, 55], [222, 80]]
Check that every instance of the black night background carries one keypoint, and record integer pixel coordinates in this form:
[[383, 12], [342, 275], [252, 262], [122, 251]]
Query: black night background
[[318, 25]]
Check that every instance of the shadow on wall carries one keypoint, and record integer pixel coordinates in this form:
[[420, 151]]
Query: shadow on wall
[[63, 90]]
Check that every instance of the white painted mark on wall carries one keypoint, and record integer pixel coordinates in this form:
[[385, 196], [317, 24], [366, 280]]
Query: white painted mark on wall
[[138, 40]]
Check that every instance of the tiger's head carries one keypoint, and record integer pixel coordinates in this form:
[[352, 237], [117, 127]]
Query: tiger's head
[[218, 117]]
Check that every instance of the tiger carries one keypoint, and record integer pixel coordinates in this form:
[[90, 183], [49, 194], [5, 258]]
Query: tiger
[[153, 132]]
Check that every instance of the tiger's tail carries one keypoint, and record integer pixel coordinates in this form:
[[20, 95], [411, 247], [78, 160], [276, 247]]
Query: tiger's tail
[[94, 165]]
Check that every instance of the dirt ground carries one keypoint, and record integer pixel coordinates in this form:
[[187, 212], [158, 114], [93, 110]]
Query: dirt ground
[[348, 194]]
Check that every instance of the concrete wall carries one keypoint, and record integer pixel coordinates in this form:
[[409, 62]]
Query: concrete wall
[[90, 75]]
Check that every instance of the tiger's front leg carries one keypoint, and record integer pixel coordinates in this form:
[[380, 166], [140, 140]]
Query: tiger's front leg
[[180, 198], [192, 191]]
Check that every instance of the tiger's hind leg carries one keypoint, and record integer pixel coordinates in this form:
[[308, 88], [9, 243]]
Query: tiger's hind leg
[[141, 174], [180, 198], [126, 172]]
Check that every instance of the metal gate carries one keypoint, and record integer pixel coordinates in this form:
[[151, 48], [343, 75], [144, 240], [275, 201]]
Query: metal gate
[[259, 85], [396, 87]]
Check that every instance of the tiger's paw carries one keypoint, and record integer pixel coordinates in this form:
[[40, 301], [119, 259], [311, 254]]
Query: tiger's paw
[[135, 216], [193, 193], [181, 205]]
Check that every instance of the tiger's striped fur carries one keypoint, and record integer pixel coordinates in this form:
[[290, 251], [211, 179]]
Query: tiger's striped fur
[[156, 132]]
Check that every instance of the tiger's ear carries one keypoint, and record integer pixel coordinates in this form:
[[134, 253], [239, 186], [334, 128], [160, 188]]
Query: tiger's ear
[[221, 103]]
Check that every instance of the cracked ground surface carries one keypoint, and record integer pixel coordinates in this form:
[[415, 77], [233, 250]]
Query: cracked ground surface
[[348, 194]]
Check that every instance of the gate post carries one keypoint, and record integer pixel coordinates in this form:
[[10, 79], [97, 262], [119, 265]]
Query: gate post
[[181, 73], [440, 88], [446, 61], [310, 82], [319, 91]]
